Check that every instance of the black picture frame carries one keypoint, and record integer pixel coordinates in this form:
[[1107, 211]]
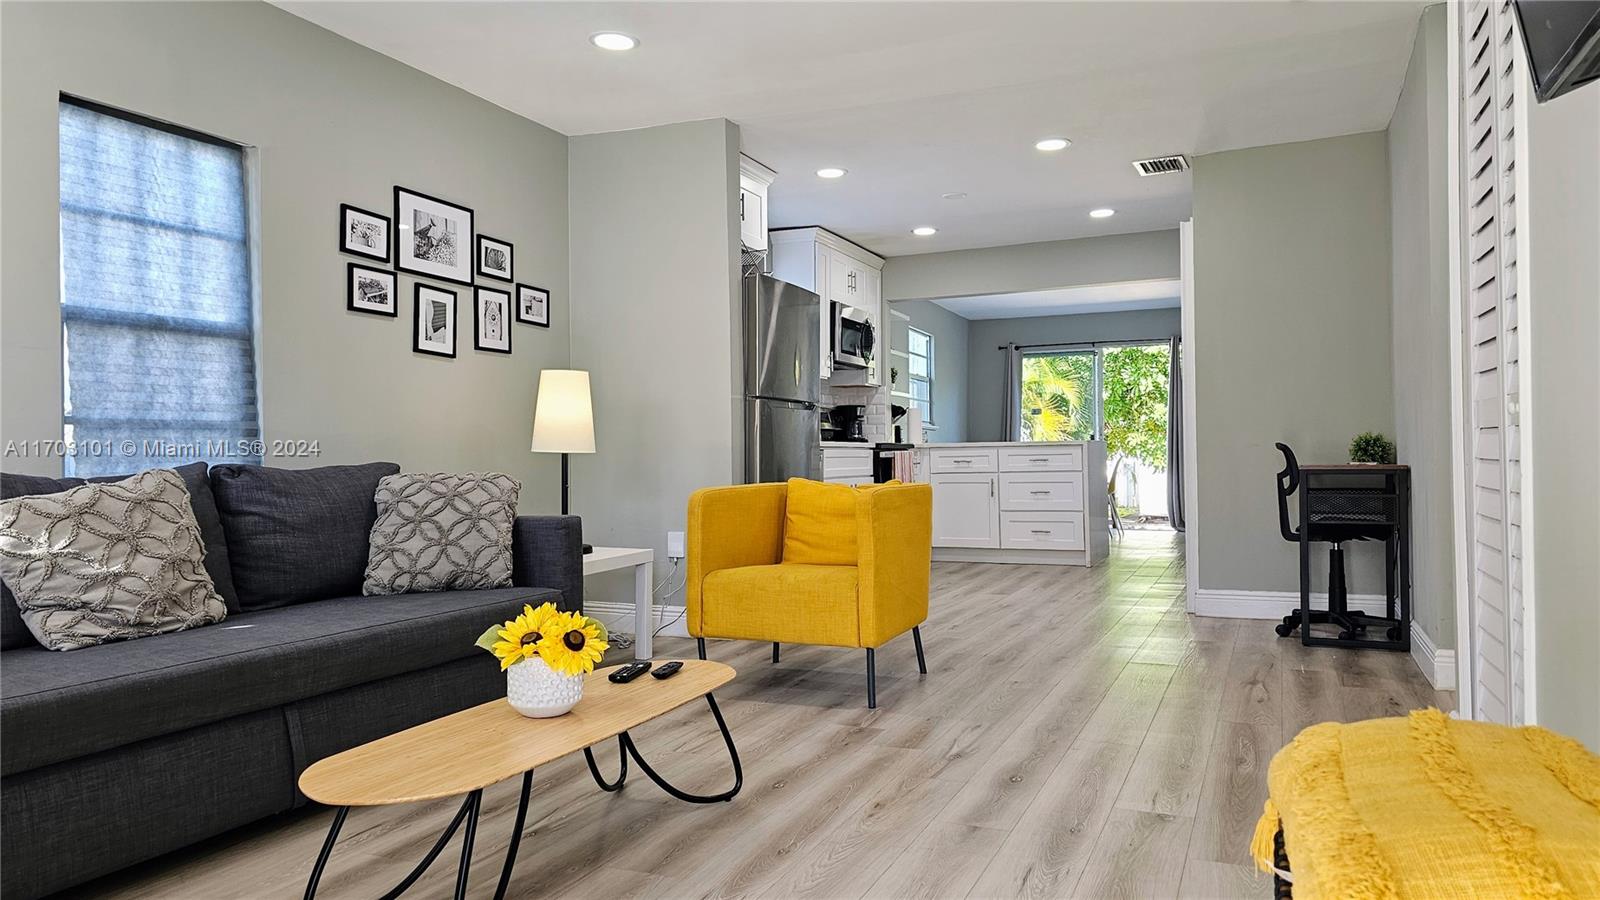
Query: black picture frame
[[479, 315], [487, 243], [543, 296], [350, 300], [404, 254], [416, 326], [345, 245]]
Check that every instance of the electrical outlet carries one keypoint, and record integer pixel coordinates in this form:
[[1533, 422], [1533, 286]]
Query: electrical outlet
[[675, 545]]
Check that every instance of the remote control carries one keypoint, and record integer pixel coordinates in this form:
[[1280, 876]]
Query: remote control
[[668, 670], [629, 672]]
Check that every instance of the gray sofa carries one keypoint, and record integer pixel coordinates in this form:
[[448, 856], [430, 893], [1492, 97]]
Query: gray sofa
[[115, 754]]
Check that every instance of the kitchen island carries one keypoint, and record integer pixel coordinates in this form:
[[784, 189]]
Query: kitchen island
[[1042, 503]]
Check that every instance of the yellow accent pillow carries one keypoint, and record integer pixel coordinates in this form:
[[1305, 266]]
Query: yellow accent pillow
[[819, 522]]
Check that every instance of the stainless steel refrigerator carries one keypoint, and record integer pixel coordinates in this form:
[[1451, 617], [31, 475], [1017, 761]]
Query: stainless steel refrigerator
[[782, 354]]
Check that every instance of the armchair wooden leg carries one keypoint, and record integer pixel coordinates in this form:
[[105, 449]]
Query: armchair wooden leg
[[701, 643], [774, 652], [872, 679], [916, 635]]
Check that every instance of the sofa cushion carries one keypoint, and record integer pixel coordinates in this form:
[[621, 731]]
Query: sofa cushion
[[72, 704], [13, 633], [819, 522], [441, 532], [297, 534], [107, 562], [789, 603]]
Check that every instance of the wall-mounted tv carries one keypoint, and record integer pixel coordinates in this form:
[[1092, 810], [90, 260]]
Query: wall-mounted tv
[[1562, 38]]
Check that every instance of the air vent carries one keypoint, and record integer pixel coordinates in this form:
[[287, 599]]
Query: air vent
[[1162, 165]]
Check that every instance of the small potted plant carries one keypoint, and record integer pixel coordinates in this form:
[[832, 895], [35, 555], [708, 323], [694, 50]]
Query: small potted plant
[[545, 653], [1371, 447]]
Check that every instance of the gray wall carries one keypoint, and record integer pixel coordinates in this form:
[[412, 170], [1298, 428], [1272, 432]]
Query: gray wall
[[950, 354], [1563, 311], [986, 370], [333, 122], [1032, 267], [654, 217], [1419, 213], [1292, 339]]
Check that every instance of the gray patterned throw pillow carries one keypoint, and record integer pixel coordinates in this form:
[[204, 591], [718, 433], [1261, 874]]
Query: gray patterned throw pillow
[[441, 532], [109, 561]]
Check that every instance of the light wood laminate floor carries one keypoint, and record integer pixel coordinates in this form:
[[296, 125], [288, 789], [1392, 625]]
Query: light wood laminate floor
[[1078, 734]]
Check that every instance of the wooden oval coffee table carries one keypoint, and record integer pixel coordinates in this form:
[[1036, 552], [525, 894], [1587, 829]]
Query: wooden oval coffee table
[[465, 752]]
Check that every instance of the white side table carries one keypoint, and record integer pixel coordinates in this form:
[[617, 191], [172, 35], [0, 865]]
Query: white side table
[[611, 559]]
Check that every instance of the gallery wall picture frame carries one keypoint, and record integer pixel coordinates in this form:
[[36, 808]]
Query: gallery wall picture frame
[[364, 232], [491, 320], [434, 238], [494, 258], [369, 290], [533, 305], [434, 331]]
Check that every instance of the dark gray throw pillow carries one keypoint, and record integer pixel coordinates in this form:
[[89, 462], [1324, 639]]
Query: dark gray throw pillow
[[105, 562], [297, 534], [13, 633]]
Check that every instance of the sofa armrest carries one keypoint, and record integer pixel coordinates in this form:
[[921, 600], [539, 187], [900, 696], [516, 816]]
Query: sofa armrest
[[729, 527], [547, 552], [894, 545]]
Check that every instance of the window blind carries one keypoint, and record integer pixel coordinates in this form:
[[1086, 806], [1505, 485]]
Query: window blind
[[159, 354]]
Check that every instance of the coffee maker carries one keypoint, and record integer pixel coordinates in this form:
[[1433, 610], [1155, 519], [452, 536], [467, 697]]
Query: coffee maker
[[849, 422]]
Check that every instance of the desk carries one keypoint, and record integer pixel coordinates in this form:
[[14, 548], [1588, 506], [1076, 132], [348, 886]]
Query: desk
[[1361, 494], [642, 561]]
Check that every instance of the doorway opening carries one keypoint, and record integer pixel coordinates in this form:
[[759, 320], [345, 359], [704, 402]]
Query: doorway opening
[[1116, 392]]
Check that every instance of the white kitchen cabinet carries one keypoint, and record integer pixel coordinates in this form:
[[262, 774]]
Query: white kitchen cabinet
[[838, 272], [754, 180], [966, 511]]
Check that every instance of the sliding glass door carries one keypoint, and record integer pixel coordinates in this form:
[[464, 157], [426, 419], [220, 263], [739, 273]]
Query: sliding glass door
[[1060, 395]]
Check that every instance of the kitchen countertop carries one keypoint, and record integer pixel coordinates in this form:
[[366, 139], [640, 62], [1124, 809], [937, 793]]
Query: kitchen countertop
[[936, 446], [847, 445]]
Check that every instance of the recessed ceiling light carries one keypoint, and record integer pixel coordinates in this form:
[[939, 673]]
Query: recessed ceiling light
[[1050, 145], [613, 40], [925, 231], [1102, 213], [955, 195], [830, 172]]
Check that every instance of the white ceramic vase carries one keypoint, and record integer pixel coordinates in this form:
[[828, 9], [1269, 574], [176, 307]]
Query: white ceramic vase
[[540, 692]]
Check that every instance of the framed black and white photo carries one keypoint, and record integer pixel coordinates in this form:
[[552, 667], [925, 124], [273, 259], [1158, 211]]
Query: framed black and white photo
[[363, 233], [492, 320], [435, 237], [494, 258], [436, 321], [371, 290], [533, 305]]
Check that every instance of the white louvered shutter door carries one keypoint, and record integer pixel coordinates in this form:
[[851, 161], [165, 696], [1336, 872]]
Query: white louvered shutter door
[[1488, 82]]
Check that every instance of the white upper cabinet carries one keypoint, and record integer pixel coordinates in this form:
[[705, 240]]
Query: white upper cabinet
[[754, 180], [839, 272]]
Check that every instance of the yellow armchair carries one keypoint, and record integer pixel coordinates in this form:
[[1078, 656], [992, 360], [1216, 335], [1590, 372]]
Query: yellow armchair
[[739, 585]]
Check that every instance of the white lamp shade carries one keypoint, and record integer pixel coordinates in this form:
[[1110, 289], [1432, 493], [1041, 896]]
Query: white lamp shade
[[563, 417]]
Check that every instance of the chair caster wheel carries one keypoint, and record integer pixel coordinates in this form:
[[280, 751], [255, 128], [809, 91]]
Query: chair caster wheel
[[1393, 632], [1284, 630]]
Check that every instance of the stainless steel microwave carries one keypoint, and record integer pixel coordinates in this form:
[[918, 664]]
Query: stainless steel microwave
[[853, 337]]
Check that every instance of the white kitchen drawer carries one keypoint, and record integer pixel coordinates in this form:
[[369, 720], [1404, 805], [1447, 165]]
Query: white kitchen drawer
[[1042, 459], [1041, 530], [948, 460], [839, 462], [1041, 491]]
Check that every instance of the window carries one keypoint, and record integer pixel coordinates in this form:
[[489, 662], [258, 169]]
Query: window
[[159, 352], [919, 365]]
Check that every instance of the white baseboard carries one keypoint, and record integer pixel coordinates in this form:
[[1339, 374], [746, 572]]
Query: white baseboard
[[1438, 665], [619, 617], [1264, 604]]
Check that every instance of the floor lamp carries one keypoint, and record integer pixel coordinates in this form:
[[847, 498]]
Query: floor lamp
[[563, 422]]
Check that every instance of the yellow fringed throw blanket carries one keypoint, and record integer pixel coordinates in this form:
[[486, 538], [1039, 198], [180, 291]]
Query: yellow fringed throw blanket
[[1428, 806]]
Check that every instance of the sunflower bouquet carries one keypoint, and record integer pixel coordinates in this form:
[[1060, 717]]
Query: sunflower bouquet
[[569, 643]]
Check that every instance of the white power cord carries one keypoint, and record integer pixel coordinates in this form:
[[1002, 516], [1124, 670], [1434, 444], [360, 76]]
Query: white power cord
[[624, 642]]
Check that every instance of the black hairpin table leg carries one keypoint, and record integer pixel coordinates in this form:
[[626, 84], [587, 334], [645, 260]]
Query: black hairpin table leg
[[516, 836], [327, 851], [733, 754], [433, 854], [468, 812], [622, 776]]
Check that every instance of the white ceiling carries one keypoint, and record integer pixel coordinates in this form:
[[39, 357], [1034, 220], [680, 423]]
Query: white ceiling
[[917, 99], [1088, 298]]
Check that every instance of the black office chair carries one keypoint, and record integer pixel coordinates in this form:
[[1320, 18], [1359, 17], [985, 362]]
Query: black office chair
[[1351, 622]]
